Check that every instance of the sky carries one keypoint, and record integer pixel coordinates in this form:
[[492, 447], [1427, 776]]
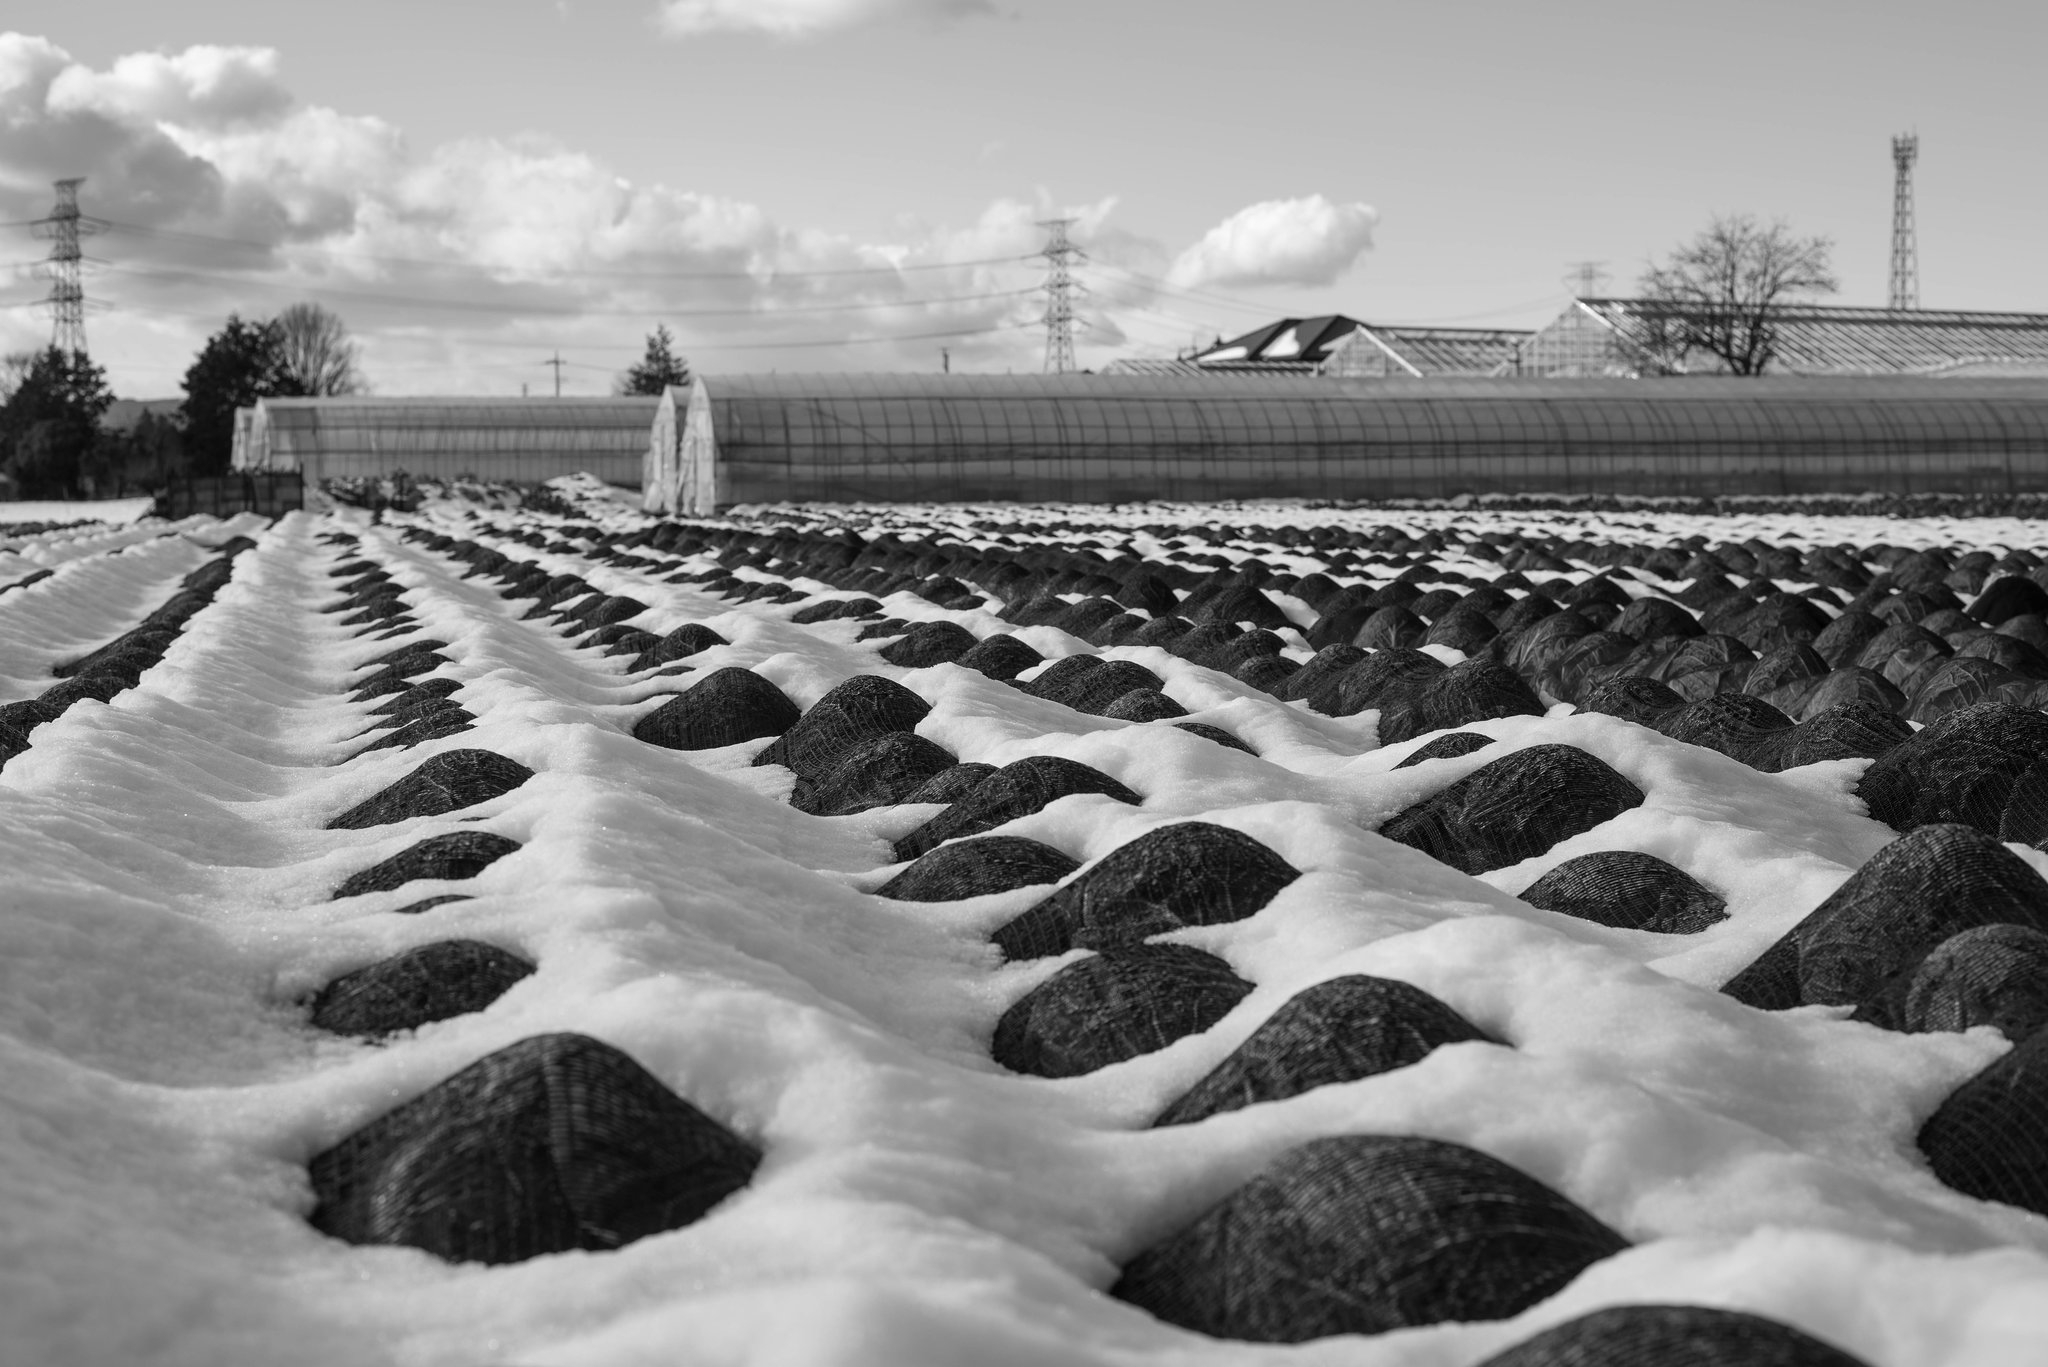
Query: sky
[[479, 186]]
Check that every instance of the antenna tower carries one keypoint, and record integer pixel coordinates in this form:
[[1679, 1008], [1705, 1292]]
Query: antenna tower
[[63, 227], [1905, 245], [1059, 287]]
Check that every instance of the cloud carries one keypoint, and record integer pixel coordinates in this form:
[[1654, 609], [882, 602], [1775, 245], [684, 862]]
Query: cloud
[[1306, 241], [802, 18]]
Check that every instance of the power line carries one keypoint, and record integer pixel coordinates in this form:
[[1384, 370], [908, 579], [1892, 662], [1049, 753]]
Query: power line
[[176, 235]]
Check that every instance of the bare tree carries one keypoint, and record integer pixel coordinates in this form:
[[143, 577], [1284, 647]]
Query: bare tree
[[1718, 292], [315, 353]]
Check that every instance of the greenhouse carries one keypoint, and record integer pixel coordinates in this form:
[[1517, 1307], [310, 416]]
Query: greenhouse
[[490, 439], [1628, 337], [1099, 438]]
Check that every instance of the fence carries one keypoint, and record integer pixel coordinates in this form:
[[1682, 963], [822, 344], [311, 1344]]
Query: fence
[[271, 494]]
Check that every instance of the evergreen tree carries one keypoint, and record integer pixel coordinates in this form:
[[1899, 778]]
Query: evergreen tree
[[240, 364], [51, 421], [658, 369]]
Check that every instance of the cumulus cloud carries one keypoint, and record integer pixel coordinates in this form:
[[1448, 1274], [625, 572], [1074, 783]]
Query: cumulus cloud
[[802, 18], [1307, 241]]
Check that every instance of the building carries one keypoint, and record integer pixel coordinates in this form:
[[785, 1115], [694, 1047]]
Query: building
[[1622, 337], [1100, 438], [1334, 345], [525, 440]]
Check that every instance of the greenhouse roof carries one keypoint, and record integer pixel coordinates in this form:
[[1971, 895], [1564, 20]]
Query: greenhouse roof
[[1308, 344], [1833, 339]]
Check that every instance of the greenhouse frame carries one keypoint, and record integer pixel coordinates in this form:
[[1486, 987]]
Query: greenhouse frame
[[1097, 438], [526, 440]]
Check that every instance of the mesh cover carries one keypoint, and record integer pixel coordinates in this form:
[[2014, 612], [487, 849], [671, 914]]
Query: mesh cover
[[458, 854], [449, 782], [1363, 1234], [950, 785], [1215, 733], [1990, 1138], [974, 868], [684, 641], [1671, 1336], [929, 643], [1476, 690], [1115, 1006], [1447, 747], [1016, 789], [1336, 1031], [1192, 873], [999, 657], [879, 773], [1629, 891], [1144, 704], [1962, 768], [850, 715], [406, 991], [557, 1142], [725, 707], [1514, 808], [1994, 975], [1907, 898]]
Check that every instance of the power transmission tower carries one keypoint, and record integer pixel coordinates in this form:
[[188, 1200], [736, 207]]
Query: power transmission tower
[[64, 226], [1905, 247], [1587, 279], [1060, 289]]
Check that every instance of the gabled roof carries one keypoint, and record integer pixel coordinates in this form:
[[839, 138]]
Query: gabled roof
[[1827, 339], [1296, 342], [1307, 344]]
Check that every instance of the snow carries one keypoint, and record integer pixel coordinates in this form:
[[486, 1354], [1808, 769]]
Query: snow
[[167, 904]]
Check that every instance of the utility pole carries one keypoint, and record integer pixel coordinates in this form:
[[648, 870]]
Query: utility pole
[[1059, 287], [557, 362], [1905, 293], [63, 227], [945, 361]]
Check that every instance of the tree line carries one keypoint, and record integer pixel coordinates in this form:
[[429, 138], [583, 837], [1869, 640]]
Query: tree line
[[53, 443]]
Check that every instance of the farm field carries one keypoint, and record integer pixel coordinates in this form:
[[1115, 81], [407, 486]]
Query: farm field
[[1025, 935]]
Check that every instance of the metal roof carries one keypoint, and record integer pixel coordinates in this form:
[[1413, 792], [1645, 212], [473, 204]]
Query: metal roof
[[491, 438], [1824, 339]]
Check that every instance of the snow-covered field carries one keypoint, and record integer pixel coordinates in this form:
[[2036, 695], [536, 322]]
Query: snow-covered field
[[170, 908]]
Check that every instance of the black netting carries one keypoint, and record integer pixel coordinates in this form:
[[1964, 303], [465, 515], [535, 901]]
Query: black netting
[[1963, 767], [950, 785], [1904, 654], [1786, 667], [1215, 733], [557, 1142], [1327, 665], [434, 725], [1192, 873], [1844, 639], [1735, 724], [975, 868], [2021, 657], [431, 983], [1114, 1006], [1515, 808], [1994, 975], [1632, 697], [1390, 628], [1462, 629], [725, 707], [1990, 1138], [1447, 747], [1852, 684], [427, 690], [1015, 790], [2008, 597], [1336, 1031], [1000, 657], [1629, 891], [1654, 619], [929, 643], [1390, 670], [1588, 660], [685, 640], [878, 773], [1144, 590], [1961, 682], [1671, 1336], [1144, 704], [458, 854], [449, 782], [1093, 690], [1363, 1234], [1907, 898], [1476, 690], [850, 715], [429, 903]]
